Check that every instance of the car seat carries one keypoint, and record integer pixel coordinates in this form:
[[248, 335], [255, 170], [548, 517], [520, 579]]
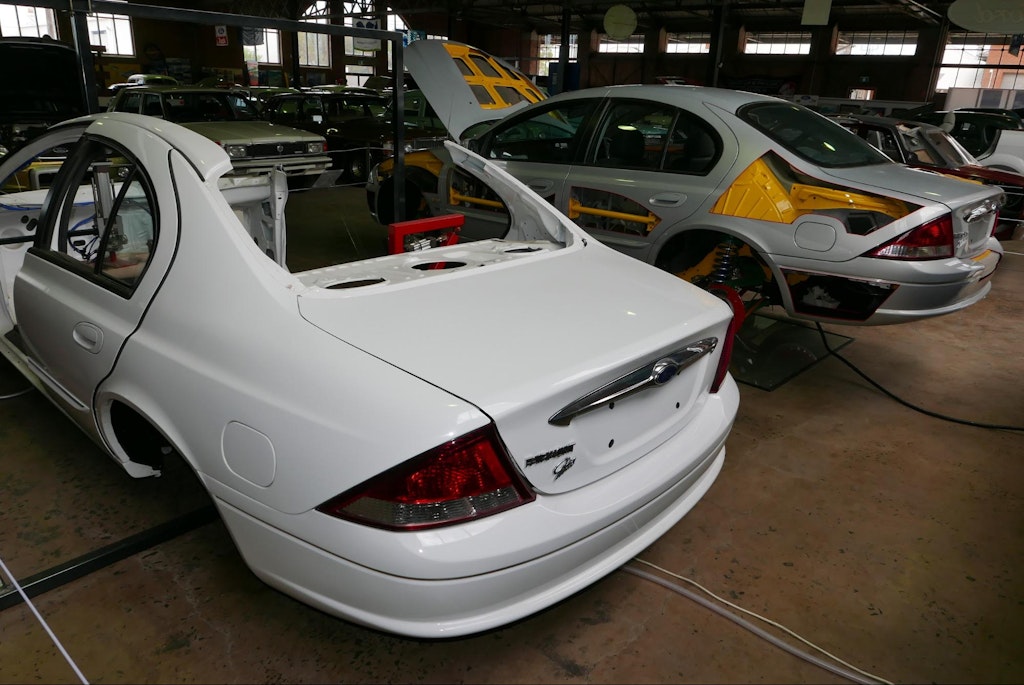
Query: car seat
[[698, 153], [625, 148]]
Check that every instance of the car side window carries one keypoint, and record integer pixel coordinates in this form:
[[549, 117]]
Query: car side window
[[286, 110], [552, 135], [104, 223], [151, 105], [129, 102], [657, 137]]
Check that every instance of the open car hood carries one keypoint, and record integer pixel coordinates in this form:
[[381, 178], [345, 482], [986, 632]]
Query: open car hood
[[466, 86]]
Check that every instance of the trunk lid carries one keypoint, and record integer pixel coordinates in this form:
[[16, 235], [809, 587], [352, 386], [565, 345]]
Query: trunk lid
[[523, 364], [974, 207]]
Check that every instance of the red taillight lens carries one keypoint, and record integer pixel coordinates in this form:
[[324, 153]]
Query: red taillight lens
[[467, 478], [739, 313], [933, 240]]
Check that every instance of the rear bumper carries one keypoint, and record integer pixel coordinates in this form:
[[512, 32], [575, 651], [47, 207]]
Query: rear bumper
[[913, 301], [891, 291], [512, 564]]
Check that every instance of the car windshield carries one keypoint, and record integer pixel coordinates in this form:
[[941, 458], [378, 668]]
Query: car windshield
[[186, 107], [811, 135]]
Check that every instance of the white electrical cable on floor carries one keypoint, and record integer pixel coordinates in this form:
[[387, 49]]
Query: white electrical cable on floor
[[853, 677], [39, 617], [17, 394]]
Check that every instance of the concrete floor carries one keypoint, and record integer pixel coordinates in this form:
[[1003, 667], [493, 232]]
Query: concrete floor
[[892, 539]]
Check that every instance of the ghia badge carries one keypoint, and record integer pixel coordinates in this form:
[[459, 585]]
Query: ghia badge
[[562, 466]]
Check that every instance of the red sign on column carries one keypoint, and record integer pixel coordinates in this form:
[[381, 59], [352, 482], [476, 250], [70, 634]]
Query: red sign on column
[[221, 32]]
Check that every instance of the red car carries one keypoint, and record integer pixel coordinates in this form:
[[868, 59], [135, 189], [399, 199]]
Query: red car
[[927, 146]]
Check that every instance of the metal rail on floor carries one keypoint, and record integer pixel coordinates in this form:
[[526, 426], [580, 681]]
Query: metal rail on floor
[[105, 556]]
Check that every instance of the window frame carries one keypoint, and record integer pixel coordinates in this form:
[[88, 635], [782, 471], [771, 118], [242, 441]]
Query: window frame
[[53, 238], [860, 43], [316, 13], [795, 43], [119, 23], [17, 29], [257, 53]]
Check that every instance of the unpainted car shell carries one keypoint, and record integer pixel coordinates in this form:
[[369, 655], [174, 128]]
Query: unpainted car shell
[[283, 390]]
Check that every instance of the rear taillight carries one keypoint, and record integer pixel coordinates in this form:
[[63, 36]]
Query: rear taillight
[[464, 479], [739, 313], [933, 240]]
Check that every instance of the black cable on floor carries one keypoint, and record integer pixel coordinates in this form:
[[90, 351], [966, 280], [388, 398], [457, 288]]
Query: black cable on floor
[[927, 412]]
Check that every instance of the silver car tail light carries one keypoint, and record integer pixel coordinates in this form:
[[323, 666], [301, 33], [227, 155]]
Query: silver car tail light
[[933, 240]]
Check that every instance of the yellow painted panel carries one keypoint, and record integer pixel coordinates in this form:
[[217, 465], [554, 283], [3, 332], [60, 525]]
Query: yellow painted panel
[[423, 159], [757, 193], [466, 56], [810, 198]]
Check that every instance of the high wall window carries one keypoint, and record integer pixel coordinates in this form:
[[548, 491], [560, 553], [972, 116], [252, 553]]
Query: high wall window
[[688, 43], [633, 44], [113, 32], [21, 20], [266, 52], [549, 51], [902, 43], [315, 48], [981, 60], [778, 43]]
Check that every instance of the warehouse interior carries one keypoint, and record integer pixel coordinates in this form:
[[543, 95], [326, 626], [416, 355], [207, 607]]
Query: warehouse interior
[[868, 524]]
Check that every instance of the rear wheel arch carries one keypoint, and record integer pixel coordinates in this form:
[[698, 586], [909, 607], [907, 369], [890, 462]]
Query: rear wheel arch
[[136, 437], [704, 256]]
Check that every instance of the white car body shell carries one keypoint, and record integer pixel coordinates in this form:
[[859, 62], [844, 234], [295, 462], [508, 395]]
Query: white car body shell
[[282, 390]]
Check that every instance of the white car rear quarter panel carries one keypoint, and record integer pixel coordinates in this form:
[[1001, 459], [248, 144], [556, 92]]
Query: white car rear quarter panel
[[329, 410]]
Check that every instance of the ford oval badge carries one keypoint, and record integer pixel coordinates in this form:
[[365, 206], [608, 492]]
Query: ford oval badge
[[664, 371]]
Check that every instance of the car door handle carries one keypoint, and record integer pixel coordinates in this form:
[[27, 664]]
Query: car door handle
[[541, 187], [88, 336], [668, 199]]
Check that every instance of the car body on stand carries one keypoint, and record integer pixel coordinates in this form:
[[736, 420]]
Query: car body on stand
[[926, 146], [226, 117], [721, 187], [339, 417]]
